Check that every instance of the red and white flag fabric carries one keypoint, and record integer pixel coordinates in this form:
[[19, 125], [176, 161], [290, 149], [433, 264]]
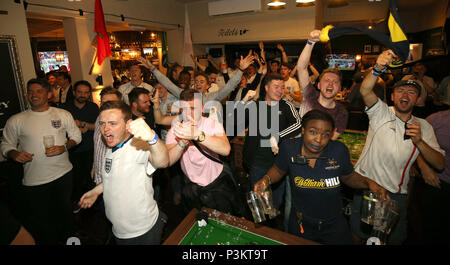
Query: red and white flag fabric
[[103, 48], [187, 49]]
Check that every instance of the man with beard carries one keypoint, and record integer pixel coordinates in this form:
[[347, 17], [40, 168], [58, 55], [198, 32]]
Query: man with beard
[[136, 81], [82, 156], [329, 85], [394, 141], [140, 104]]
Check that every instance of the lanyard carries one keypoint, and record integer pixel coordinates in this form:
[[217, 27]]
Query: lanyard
[[115, 148]]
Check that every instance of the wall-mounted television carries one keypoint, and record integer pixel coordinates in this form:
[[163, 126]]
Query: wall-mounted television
[[50, 62], [341, 61]]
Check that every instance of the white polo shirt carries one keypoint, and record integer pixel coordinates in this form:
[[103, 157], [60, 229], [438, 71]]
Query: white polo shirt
[[386, 157], [128, 191], [125, 89]]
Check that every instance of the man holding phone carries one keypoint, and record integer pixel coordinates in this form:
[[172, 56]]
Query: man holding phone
[[394, 141]]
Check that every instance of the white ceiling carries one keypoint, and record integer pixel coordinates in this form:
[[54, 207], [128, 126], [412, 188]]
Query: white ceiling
[[52, 26]]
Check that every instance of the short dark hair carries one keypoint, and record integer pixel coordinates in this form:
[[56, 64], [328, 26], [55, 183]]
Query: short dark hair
[[110, 90], [273, 76], [133, 96], [333, 71], [185, 72], [135, 64], [82, 82], [202, 74], [316, 114], [154, 82], [65, 75], [274, 61], [53, 73], [288, 65], [188, 94], [42, 82], [120, 105], [210, 70]]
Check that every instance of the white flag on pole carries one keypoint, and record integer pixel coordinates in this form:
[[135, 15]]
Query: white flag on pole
[[187, 49]]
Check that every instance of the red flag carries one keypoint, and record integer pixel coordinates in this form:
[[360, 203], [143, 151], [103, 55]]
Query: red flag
[[103, 48]]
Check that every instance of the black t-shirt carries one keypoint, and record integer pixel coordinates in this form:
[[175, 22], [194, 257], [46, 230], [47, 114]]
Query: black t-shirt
[[316, 191], [149, 119], [89, 114]]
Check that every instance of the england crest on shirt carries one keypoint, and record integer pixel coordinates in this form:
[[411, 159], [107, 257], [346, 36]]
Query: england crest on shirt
[[108, 165], [56, 124]]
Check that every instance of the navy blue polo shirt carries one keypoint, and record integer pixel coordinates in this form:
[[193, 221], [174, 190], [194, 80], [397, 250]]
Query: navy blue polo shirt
[[316, 191], [88, 113]]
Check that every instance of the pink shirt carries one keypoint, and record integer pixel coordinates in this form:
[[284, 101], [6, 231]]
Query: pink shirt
[[197, 167]]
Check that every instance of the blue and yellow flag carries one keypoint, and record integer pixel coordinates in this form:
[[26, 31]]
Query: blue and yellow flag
[[396, 40]]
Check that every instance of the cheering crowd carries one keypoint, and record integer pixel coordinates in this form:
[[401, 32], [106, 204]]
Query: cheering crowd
[[183, 122]]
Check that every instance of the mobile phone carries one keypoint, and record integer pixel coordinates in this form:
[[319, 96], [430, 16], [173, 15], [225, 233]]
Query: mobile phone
[[406, 137]]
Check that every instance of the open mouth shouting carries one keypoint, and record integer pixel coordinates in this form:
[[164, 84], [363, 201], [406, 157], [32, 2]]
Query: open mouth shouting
[[109, 139]]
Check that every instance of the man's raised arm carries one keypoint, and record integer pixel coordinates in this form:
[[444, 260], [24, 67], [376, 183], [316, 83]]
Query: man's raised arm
[[305, 56], [366, 90]]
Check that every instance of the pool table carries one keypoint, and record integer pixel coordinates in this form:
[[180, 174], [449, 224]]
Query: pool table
[[225, 229]]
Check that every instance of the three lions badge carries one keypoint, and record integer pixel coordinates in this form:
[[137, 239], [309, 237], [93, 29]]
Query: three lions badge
[[108, 165]]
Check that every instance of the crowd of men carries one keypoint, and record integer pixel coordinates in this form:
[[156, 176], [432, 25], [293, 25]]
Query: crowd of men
[[115, 154]]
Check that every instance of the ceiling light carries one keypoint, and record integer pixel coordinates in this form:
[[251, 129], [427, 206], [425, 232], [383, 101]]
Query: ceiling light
[[276, 3], [303, 3]]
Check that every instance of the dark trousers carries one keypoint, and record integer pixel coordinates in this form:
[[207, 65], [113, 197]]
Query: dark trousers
[[335, 231], [152, 237], [48, 212], [430, 209], [82, 165]]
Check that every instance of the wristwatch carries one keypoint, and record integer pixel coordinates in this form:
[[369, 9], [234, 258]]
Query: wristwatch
[[201, 137]]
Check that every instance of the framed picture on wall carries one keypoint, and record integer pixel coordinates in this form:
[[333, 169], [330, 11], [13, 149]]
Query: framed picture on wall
[[12, 95], [367, 48], [376, 48]]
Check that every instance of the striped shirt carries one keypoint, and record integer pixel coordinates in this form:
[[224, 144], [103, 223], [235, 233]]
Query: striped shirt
[[99, 153]]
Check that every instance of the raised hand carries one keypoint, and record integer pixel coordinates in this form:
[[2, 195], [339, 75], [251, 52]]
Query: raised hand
[[280, 47], [144, 62], [194, 58], [385, 58], [140, 129], [247, 61], [186, 130], [261, 45], [314, 35]]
